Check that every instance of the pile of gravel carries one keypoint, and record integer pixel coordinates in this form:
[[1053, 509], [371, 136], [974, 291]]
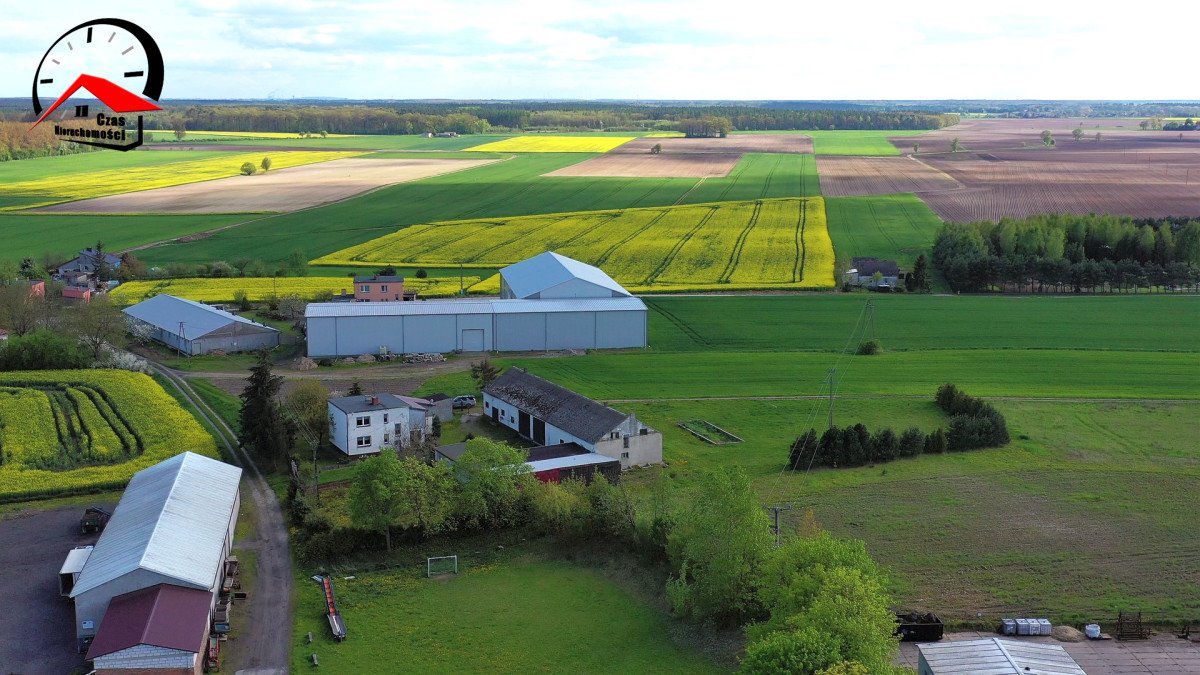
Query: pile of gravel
[[1067, 634]]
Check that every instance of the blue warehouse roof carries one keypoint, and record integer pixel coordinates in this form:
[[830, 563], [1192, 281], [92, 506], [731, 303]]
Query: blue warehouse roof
[[166, 312]]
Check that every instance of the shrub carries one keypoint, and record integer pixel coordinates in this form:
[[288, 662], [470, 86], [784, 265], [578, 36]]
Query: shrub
[[912, 442], [807, 650], [935, 443], [869, 348], [242, 300], [43, 349], [248, 169], [421, 273]]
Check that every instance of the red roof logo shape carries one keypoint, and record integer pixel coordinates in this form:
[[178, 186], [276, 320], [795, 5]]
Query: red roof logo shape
[[115, 97]]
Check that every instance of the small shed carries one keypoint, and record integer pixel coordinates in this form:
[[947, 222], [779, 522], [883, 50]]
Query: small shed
[[195, 328], [68, 574], [995, 656], [162, 628]]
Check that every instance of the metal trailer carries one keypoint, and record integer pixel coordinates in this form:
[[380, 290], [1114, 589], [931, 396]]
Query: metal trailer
[[94, 519], [336, 623]]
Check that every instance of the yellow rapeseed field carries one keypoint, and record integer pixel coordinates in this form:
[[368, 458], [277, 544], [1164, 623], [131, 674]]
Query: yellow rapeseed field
[[761, 244], [259, 288], [554, 144], [72, 187], [114, 424]]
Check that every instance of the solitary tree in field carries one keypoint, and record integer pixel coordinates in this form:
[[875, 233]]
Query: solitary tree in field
[[1144, 124], [1077, 133], [657, 149], [916, 148], [955, 146], [1047, 138], [1097, 136], [265, 164], [248, 169]]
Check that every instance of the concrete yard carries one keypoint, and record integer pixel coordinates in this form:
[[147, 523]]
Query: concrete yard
[[37, 625], [1162, 654]]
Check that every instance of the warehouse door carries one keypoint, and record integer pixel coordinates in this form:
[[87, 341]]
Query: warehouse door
[[472, 340], [523, 424], [539, 431]]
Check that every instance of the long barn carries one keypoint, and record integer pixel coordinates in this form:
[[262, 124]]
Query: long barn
[[548, 302]]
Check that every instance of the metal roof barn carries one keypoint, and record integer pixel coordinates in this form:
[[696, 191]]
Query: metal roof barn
[[550, 275], [173, 525], [994, 656], [475, 325], [196, 328]]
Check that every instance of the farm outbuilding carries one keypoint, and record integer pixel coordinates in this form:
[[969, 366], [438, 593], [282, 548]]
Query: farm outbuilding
[[174, 525], [548, 414], [162, 628], [548, 302], [994, 656], [194, 328]]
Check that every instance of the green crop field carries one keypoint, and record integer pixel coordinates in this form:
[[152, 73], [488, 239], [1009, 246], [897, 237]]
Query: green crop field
[[514, 617], [65, 234], [363, 142], [856, 142], [87, 430], [725, 245], [894, 227], [908, 322], [513, 187]]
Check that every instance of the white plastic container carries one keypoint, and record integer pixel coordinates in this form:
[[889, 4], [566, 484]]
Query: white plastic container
[[1044, 626], [1010, 626], [1023, 627], [1092, 630]]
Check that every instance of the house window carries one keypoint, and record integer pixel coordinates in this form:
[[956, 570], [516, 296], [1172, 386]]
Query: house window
[[614, 434], [627, 443], [387, 438], [362, 421], [364, 441], [365, 288], [383, 288], [625, 455], [385, 418]]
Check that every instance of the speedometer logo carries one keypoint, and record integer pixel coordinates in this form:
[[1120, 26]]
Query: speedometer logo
[[113, 61]]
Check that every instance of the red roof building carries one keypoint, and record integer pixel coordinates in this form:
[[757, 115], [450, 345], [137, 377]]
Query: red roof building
[[162, 628]]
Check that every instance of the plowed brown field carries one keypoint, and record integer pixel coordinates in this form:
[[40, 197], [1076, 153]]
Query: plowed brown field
[[736, 143], [855, 176]]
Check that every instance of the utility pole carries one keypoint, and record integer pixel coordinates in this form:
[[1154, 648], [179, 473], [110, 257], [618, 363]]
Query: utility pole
[[775, 511], [831, 379], [869, 329]]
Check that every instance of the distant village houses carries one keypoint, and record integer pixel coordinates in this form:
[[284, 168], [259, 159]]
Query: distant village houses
[[874, 273]]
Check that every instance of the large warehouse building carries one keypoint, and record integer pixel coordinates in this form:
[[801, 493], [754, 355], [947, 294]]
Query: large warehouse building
[[194, 328], [548, 302], [146, 594]]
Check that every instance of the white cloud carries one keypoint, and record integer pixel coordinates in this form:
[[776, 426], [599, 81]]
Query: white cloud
[[705, 49]]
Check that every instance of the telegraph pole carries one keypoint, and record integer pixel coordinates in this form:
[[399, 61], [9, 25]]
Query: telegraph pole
[[775, 511], [831, 379]]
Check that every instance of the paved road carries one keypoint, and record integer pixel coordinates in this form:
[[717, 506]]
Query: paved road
[[265, 636]]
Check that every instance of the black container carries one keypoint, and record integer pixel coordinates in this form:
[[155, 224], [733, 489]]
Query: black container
[[914, 627]]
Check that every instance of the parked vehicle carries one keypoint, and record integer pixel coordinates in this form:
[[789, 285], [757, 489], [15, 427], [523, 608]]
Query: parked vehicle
[[464, 402], [94, 519]]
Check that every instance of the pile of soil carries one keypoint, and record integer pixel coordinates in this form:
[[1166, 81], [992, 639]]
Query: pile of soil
[[1067, 634]]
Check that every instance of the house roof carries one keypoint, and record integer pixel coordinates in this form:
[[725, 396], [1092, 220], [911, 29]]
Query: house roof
[[416, 403], [166, 312], [87, 259], [869, 266], [994, 656], [571, 461], [376, 277], [546, 270], [165, 616], [577, 415], [555, 451], [438, 397], [317, 310], [362, 403], [171, 520]]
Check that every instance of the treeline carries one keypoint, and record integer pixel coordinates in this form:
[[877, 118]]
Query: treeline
[[1066, 252], [481, 118], [19, 141], [974, 423]]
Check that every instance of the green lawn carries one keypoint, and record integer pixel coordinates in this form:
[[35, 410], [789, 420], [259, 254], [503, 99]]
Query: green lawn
[[523, 616], [32, 234], [856, 142], [511, 187], [907, 322], [895, 227]]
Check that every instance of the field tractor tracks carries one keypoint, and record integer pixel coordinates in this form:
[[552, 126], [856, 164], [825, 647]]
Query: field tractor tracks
[[603, 258], [689, 191], [682, 325], [483, 252], [735, 256], [801, 249], [666, 261]]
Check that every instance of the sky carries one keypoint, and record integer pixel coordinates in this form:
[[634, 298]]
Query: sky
[[653, 49]]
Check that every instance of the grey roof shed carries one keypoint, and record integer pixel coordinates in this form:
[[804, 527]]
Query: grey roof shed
[[577, 415], [196, 328], [994, 656]]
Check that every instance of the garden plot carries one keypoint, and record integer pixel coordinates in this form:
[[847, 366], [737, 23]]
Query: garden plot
[[662, 165], [279, 190], [843, 176]]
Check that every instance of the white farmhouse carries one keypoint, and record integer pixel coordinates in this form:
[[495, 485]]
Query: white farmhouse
[[364, 424], [549, 414]]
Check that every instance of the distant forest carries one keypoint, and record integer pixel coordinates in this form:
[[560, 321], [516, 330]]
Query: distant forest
[[499, 117], [1057, 253]]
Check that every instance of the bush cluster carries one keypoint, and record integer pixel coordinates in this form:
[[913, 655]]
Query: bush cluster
[[974, 423]]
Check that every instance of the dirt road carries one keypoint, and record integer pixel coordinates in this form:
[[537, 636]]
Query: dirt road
[[264, 638]]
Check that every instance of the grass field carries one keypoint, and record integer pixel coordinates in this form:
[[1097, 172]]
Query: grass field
[[87, 430], [483, 621], [65, 234], [851, 142], [763, 244], [99, 183], [514, 187], [259, 288], [363, 142], [192, 135], [554, 144], [896, 227]]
